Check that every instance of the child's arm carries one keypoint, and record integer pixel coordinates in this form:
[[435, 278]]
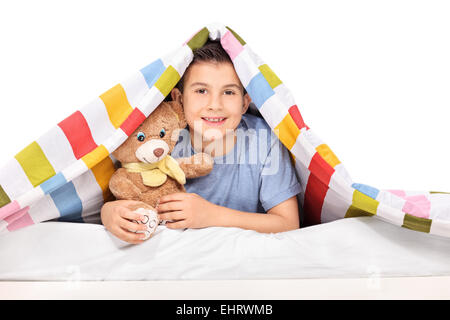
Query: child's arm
[[189, 210], [282, 217]]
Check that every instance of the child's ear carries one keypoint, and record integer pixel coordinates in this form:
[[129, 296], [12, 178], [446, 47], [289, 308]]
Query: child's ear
[[247, 101], [179, 111], [176, 95]]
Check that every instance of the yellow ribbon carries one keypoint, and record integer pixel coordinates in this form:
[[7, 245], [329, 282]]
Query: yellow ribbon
[[155, 174]]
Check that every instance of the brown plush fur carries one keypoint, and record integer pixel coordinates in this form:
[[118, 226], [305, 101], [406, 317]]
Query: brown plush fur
[[128, 185]]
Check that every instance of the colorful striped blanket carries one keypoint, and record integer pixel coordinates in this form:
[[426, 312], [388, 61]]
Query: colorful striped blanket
[[64, 174]]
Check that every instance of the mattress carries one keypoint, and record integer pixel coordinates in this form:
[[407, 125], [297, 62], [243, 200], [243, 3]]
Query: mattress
[[362, 247]]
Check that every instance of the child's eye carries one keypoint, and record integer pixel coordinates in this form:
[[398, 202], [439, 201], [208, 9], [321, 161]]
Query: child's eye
[[162, 133], [231, 92], [141, 136], [200, 90]]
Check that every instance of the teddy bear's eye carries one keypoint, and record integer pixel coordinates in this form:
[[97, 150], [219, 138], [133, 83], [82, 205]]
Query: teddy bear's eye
[[162, 133], [141, 136]]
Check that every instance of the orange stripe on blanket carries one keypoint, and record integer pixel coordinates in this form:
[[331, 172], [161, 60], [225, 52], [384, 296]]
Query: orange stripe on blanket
[[117, 105], [94, 157], [287, 131], [103, 172], [328, 155]]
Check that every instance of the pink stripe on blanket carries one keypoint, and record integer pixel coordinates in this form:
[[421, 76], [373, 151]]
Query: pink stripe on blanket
[[9, 209], [399, 193], [231, 45], [19, 219], [417, 205]]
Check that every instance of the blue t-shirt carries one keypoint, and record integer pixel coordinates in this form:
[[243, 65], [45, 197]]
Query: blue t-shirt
[[253, 177]]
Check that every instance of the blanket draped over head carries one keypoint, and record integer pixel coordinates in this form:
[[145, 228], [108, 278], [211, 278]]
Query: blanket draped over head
[[64, 174]]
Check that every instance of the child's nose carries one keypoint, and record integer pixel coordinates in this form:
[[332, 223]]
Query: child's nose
[[214, 106], [215, 102]]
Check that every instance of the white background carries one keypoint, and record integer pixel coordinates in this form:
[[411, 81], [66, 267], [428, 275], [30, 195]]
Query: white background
[[371, 78]]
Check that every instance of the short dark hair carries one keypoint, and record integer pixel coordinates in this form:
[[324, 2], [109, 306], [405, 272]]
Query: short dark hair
[[212, 51]]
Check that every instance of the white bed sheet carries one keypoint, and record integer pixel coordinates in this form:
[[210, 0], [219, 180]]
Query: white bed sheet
[[348, 248]]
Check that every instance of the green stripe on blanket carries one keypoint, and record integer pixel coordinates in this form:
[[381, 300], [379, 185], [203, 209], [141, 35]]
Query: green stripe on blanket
[[416, 223], [35, 164], [199, 39], [167, 80], [362, 205], [4, 199]]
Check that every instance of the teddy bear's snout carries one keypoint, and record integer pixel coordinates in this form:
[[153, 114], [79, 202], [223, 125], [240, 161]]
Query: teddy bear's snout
[[152, 151], [158, 152]]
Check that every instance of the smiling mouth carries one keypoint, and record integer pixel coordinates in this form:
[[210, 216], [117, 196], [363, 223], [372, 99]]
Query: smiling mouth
[[214, 120]]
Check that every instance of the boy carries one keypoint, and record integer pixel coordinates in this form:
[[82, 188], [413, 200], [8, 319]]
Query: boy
[[236, 192]]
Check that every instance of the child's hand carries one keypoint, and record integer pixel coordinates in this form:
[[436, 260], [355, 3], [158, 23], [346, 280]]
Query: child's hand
[[116, 216], [186, 210]]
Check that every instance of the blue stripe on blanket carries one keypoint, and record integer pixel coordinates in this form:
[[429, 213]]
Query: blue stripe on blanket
[[53, 183], [367, 190], [259, 90], [153, 71], [68, 203]]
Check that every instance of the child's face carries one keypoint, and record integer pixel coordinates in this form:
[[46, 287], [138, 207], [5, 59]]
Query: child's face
[[212, 99]]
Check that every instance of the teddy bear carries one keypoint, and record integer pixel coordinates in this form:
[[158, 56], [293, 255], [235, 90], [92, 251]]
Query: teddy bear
[[148, 171]]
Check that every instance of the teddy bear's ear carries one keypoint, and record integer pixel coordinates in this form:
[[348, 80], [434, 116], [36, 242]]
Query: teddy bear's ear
[[178, 109]]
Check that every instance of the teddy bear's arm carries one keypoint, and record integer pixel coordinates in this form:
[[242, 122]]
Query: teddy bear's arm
[[200, 164], [123, 188]]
